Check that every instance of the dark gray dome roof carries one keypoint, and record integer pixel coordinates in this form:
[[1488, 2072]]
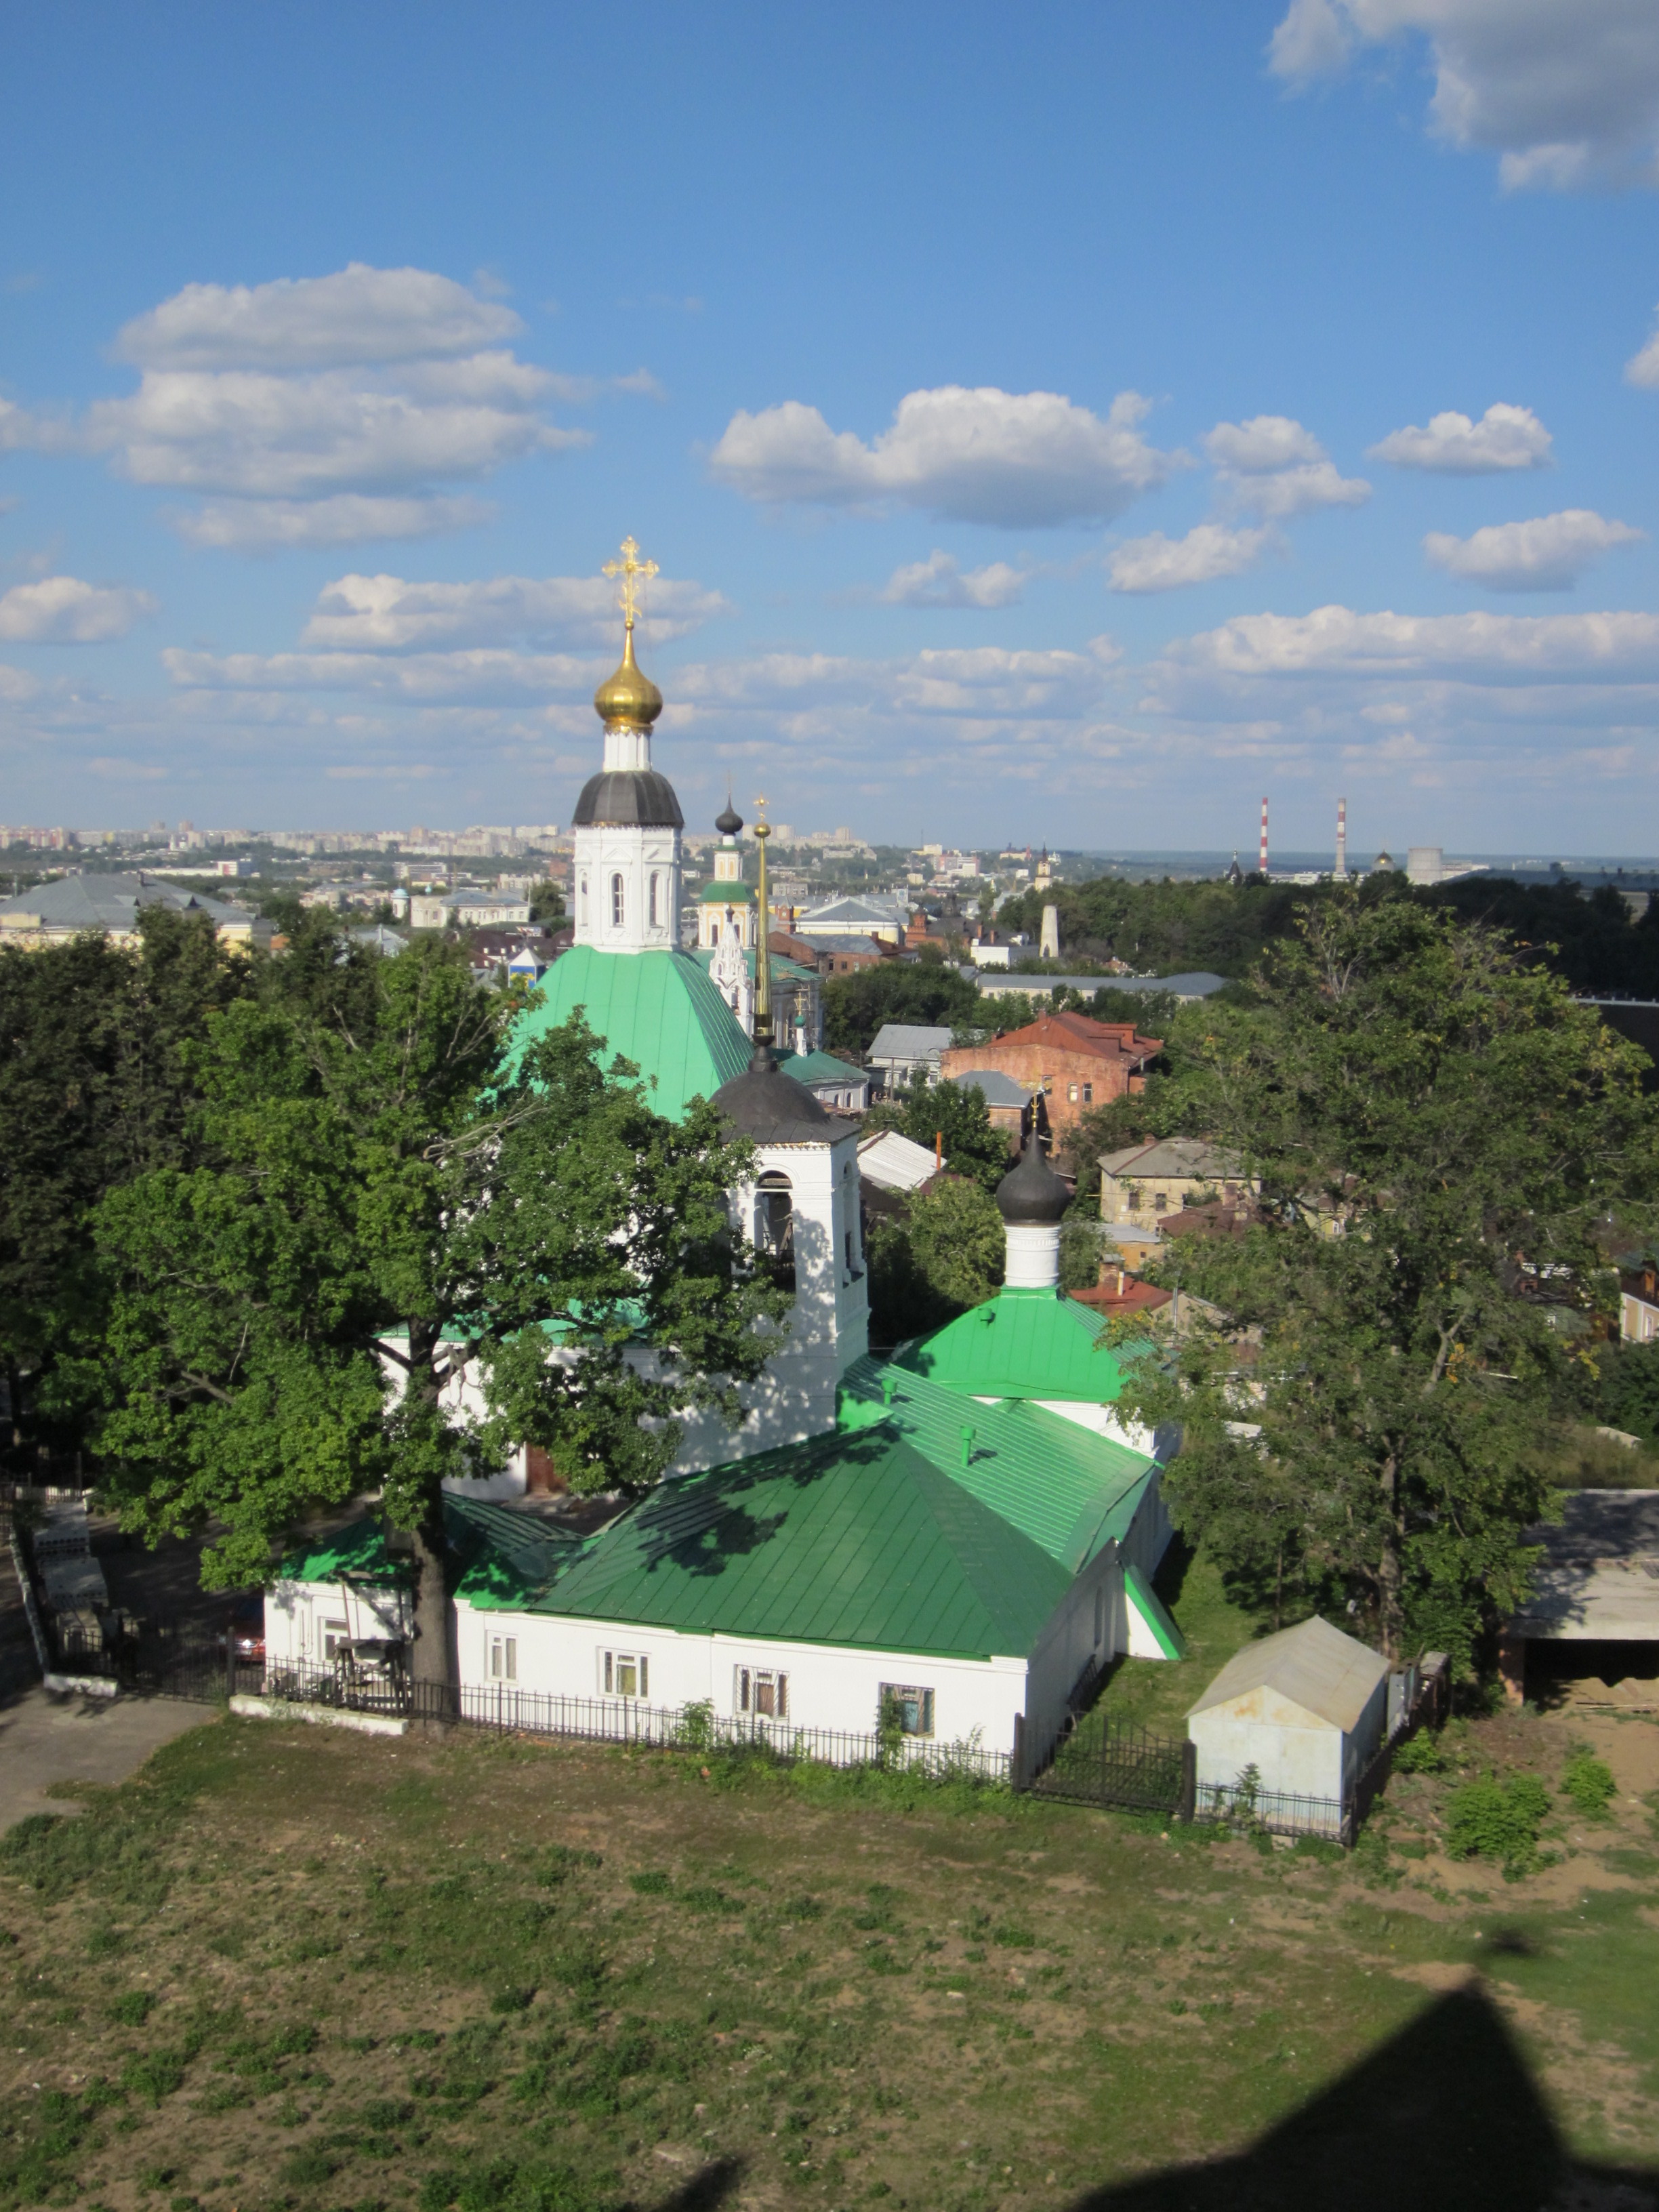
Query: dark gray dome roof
[[771, 1107], [1032, 1194], [729, 821], [630, 798]]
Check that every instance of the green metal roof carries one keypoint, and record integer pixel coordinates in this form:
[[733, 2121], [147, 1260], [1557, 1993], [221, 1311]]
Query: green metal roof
[[725, 893], [810, 1067], [478, 1533], [658, 1009], [1022, 1344], [850, 1539], [1064, 1488]]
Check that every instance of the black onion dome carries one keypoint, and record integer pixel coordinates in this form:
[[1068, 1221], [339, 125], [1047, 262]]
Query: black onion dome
[[772, 1108], [1031, 1195], [628, 798], [730, 822]]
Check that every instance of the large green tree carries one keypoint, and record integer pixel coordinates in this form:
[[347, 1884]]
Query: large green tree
[[1438, 1132], [96, 1088], [945, 1116], [391, 1211], [856, 1006]]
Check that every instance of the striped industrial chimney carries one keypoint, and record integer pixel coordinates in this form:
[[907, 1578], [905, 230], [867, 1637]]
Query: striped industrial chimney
[[1262, 863], [1340, 871]]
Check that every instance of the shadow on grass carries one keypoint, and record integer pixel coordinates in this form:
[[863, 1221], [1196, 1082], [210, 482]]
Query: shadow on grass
[[708, 2189], [1445, 2117]]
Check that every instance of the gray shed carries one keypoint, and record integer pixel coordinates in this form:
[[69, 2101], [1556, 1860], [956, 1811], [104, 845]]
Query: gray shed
[[1306, 1708]]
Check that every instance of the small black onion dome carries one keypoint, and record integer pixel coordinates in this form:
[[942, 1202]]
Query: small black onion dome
[[1031, 1195], [728, 823], [632, 798], [771, 1107]]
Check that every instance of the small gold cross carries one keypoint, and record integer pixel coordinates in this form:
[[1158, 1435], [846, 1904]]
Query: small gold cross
[[630, 568]]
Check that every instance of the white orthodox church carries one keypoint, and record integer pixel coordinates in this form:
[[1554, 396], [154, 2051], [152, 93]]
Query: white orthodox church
[[969, 1543]]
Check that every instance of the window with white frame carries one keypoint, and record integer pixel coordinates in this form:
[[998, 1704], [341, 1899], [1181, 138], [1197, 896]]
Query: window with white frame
[[656, 899], [624, 1673], [618, 901], [763, 1691], [581, 898], [503, 1658], [335, 1633], [909, 1707]]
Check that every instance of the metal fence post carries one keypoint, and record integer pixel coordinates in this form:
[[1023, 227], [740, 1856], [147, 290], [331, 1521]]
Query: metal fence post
[[1187, 1809]]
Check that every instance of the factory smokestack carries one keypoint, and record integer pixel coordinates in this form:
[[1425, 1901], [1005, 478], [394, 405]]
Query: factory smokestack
[[1262, 863], [1341, 871]]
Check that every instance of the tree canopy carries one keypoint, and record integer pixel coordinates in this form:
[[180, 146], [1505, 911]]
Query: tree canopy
[[1438, 1132], [387, 1217], [856, 1006], [954, 1121]]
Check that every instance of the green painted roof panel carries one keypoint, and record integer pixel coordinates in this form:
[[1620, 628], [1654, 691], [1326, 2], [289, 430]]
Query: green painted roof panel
[[1062, 1487], [850, 1539], [658, 1009], [1021, 1344]]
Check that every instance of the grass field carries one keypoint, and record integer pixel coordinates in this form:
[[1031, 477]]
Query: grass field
[[292, 1968]]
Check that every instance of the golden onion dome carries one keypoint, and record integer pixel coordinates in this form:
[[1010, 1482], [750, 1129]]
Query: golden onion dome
[[630, 695]]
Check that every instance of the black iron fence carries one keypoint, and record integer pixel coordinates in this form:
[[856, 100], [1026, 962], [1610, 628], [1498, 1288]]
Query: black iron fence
[[1103, 1761]]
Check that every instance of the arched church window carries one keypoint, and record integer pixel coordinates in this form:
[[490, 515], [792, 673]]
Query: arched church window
[[656, 899], [617, 905], [775, 1227]]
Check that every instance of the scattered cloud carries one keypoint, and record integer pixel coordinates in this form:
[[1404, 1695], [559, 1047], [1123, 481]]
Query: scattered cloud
[[356, 316], [325, 410], [1274, 468], [938, 582], [65, 610], [16, 686], [113, 769], [1504, 438], [1566, 95], [1017, 459], [1478, 648], [1643, 368], [1549, 554], [269, 525], [1158, 563], [386, 614]]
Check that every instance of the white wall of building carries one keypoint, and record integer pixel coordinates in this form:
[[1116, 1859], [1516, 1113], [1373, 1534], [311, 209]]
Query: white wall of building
[[301, 1617], [1293, 1751], [647, 864]]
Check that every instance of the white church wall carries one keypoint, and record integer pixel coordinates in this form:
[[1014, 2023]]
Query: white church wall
[[300, 1619], [608, 852], [1088, 1626], [831, 1687]]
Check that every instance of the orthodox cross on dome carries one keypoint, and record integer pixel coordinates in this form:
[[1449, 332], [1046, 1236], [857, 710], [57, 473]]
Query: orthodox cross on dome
[[633, 572]]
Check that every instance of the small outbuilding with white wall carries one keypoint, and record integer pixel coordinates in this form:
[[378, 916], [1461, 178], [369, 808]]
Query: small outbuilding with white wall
[[1306, 1709]]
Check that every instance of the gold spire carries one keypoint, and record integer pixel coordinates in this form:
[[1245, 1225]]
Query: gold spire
[[630, 695], [762, 953]]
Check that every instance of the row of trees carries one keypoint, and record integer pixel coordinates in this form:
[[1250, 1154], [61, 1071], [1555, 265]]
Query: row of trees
[[269, 1234]]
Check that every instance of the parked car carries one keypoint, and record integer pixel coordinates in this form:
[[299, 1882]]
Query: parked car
[[248, 1632]]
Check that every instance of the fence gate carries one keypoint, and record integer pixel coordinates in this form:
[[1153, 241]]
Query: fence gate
[[1110, 1762]]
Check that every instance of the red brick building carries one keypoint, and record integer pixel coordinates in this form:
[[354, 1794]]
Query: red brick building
[[1074, 1060]]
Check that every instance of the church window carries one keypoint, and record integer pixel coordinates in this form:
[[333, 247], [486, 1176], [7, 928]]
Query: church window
[[763, 1691], [625, 1674], [503, 1658], [907, 1708], [616, 901], [582, 899], [656, 899]]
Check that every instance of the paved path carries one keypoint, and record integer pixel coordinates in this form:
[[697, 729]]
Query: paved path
[[46, 1739]]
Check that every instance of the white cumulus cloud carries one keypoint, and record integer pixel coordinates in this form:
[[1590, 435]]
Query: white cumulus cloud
[[1548, 554], [1642, 368], [1482, 648], [1504, 438], [386, 614], [938, 582], [65, 610], [1020, 460], [325, 410], [1276, 468], [1158, 563], [1565, 92], [355, 316]]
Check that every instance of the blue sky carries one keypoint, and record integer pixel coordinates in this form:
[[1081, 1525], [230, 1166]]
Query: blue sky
[[1063, 424]]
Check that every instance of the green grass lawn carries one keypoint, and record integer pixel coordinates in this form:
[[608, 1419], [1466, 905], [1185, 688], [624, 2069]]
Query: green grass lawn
[[1156, 1694], [292, 1968]]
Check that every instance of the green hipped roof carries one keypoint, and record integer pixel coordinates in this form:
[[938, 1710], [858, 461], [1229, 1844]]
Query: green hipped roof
[[850, 1539], [1062, 1487], [658, 1009], [726, 894], [1021, 1344], [821, 1067]]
